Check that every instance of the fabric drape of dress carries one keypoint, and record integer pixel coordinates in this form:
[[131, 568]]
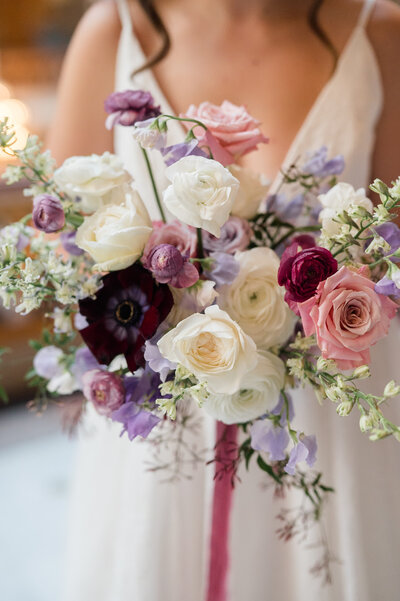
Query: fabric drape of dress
[[136, 538]]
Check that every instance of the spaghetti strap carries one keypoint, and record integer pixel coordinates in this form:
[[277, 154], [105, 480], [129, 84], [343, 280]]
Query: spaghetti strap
[[365, 13], [124, 14]]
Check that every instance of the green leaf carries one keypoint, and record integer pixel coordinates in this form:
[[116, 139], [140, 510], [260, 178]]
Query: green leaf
[[267, 468]]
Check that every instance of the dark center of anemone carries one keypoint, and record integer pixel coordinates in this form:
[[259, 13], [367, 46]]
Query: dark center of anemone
[[128, 312]]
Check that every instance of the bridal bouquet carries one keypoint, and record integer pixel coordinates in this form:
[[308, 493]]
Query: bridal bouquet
[[229, 303]]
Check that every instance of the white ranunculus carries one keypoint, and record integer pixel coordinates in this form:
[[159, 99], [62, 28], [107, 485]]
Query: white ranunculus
[[342, 197], [256, 301], [191, 300], [259, 393], [94, 180], [212, 347], [115, 235], [253, 189], [201, 193]]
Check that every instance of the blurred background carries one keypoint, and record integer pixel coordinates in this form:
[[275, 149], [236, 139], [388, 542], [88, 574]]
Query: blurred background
[[36, 456]]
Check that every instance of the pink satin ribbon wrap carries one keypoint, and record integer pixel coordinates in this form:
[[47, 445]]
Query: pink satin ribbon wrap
[[221, 512]]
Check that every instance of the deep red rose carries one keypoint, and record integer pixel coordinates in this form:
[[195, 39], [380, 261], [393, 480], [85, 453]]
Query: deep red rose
[[126, 312], [301, 272]]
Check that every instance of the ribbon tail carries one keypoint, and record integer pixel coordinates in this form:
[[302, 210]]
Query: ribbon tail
[[221, 513]]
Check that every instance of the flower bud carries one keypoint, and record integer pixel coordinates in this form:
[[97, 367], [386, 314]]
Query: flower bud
[[366, 423], [361, 372], [344, 408], [391, 389], [48, 215]]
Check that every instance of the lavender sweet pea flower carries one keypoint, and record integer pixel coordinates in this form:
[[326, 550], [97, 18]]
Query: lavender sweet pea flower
[[387, 287], [174, 153], [235, 235], [319, 165], [136, 421], [68, 242], [84, 361], [284, 208], [280, 409], [48, 214], [391, 233], [128, 107], [47, 362], [224, 269], [270, 439], [148, 136], [156, 361], [304, 450]]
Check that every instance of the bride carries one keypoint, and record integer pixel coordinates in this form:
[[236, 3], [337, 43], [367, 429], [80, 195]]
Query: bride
[[313, 72]]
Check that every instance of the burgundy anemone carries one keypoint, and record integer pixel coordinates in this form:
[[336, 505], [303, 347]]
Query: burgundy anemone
[[126, 312]]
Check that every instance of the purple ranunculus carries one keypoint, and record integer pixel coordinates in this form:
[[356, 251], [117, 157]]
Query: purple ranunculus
[[173, 153], [235, 235], [169, 266], [129, 106], [270, 439], [224, 269], [156, 361], [319, 165], [387, 287], [301, 272], [136, 421], [104, 389], [304, 450], [48, 214], [68, 242]]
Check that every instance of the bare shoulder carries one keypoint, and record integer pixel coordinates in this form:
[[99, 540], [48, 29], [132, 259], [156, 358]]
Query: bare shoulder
[[87, 78], [384, 33]]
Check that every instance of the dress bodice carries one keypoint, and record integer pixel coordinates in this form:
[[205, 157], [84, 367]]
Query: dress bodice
[[343, 116]]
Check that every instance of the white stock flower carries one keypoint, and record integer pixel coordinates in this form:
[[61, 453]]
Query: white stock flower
[[201, 193], [256, 301], [213, 348], [253, 189], [115, 235], [259, 393], [342, 197], [95, 180]]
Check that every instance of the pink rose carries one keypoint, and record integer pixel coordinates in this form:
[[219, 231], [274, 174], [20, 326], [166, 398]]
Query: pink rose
[[232, 132], [176, 233], [104, 389], [348, 317]]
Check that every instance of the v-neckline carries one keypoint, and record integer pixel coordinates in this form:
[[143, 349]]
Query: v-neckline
[[320, 98]]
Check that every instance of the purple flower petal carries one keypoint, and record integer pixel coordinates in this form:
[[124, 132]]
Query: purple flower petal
[[280, 410], [136, 421], [270, 439], [174, 153], [304, 450], [224, 269], [156, 361], [387, 287]]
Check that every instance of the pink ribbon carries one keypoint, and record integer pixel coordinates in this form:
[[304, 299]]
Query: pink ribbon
[[221, 511]]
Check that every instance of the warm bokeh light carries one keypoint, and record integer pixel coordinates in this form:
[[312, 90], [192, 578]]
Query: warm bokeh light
[[18, 116]]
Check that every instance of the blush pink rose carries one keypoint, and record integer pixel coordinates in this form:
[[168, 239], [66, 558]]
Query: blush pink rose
[[348, 317], [176, 233], [232, 132]]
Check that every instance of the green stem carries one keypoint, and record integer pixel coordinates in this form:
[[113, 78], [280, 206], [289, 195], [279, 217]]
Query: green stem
[[200, 249], [307, 228], [153, 183], [174, 118]]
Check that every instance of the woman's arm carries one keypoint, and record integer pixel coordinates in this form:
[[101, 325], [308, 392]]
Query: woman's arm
[[384, 32], [87, 78]]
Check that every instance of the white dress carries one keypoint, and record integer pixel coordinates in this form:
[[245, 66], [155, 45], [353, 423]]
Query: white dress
[[135, 538]]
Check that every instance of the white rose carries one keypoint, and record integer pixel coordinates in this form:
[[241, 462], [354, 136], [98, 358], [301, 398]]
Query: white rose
[[94, 180], [116, 234], [256, 301], [201, 194], [259, 393], [212, 347], [191, 300], [342, 197], [253, 190]]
